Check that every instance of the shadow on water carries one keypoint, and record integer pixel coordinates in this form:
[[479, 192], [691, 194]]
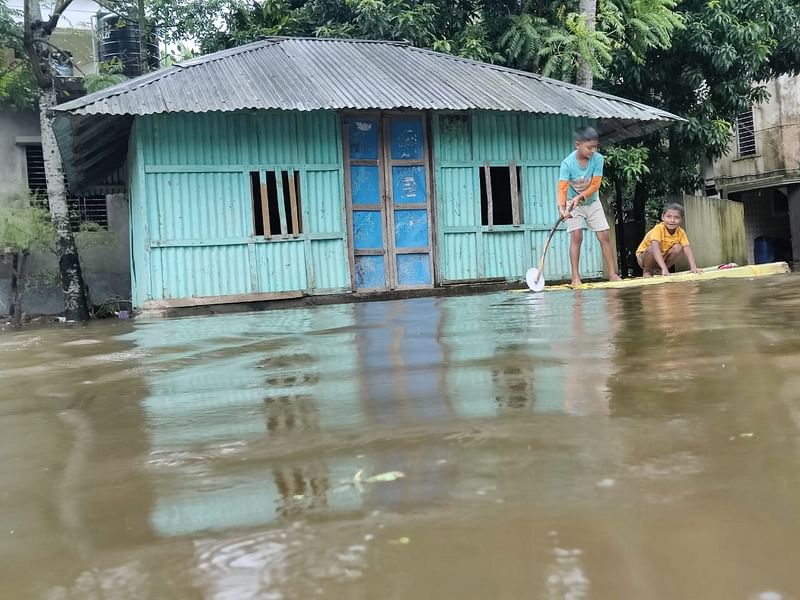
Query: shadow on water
[[600, 444]]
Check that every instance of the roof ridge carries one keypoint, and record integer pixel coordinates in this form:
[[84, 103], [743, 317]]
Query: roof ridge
[[225, 53], [308, 38], [543, 79], [154, 76]]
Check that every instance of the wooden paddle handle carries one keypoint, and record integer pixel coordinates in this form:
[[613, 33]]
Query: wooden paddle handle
[[570, 206]]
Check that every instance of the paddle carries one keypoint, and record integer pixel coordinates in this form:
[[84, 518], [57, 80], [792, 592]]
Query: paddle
[[534, 277]]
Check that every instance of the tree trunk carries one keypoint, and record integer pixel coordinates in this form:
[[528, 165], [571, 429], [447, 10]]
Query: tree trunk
[[12, 295], [19, 275], [619, 213], [639, 205], [69, 264], [585, 78]]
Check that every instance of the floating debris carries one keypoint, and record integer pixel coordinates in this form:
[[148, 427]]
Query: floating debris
[[388, 476], [400, 541]]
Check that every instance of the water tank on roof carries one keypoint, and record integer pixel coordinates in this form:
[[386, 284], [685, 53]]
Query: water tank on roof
[[118, 37]]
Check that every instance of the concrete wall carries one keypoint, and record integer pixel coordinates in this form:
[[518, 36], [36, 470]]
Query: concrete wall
[[760, 219], [105, 260], [104, 256], [716, 231], [794, 220], [777, 133], [15, 127]]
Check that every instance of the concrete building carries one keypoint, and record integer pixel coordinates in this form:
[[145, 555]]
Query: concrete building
[[762, 170]]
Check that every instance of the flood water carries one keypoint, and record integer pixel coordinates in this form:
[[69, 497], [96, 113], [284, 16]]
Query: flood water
[[612, 444]]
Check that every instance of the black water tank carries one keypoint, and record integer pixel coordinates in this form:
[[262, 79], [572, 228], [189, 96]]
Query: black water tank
[[118, 37]]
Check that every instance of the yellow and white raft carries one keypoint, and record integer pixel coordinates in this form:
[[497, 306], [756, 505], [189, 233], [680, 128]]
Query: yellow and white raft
[[715, 272]]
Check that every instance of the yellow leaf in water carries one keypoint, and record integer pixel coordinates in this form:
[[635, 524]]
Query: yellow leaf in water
[[400, 541]]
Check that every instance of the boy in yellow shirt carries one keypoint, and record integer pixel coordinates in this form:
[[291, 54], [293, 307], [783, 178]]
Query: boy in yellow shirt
[[664, 244]]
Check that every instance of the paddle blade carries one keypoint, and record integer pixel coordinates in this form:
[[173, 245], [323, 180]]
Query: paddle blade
[[534, 281]]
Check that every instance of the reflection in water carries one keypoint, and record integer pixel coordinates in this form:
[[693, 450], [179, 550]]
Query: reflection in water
[[602, 444]]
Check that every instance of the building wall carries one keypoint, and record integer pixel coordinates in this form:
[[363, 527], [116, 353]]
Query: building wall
[[777, 134], [104, 255], [760, 219], [536, 143], [104, 260], [193, 214], [15, 129], [716, 232], [794, 220], [192, 206]]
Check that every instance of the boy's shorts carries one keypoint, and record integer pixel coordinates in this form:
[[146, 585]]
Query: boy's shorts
[[591, 213]]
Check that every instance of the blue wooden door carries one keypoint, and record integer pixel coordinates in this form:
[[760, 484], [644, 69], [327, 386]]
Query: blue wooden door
[[389, 201]]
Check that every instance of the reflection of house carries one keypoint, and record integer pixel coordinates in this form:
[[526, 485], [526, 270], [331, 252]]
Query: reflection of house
[[762, 171], [293, 167]]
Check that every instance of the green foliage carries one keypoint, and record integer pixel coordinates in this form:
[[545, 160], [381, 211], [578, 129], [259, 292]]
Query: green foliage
[[179, 52], [565, 47], [10, 31], [110, 74], [626, 167], [24, 225], [524, 40], [18, 88], [637, 26], [627, 164], [707, 75]]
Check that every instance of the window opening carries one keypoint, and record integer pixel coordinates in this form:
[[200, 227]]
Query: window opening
[[501, 193], [277, 211], [746, 133], [91, 209]]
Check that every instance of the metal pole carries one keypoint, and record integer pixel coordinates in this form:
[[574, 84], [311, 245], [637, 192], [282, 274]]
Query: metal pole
[[143, 63]]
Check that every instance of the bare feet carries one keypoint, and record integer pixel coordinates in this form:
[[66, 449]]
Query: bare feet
[[647, 273], [576, 282], [615, 277]]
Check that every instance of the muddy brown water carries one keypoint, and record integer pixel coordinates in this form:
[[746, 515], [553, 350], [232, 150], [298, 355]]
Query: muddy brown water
[[640, 443]]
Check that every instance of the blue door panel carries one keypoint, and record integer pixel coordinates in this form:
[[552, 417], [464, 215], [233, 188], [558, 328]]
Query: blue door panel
[[367, 229], [413, 269], [411, 228], [365, 184], [363, 134], [370, 272], [406, 138], [408, 185]]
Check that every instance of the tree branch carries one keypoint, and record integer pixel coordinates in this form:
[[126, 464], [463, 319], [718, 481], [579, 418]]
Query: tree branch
[[32, 13], [58, 10]]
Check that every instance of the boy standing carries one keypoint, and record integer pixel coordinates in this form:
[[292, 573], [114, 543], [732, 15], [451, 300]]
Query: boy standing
[[664, 244], [579, 182]]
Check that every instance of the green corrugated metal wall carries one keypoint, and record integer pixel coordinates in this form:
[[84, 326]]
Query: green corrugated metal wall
[[192, 213], [192, 210], [537, 143]]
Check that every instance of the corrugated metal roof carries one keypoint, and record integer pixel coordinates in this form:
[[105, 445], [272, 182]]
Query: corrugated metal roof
[[317, 74]]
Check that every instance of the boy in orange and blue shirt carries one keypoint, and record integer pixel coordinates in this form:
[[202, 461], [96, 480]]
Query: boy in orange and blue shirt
[[665, 243], [579, 181]]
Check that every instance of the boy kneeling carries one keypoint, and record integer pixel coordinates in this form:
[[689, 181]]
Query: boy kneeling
[[665, 243]]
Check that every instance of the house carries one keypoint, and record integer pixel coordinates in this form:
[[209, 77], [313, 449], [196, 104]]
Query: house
[[762, 170], [292, 166]]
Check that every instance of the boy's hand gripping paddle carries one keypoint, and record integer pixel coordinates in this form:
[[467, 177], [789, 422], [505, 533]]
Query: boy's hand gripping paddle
[[534, 277]]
